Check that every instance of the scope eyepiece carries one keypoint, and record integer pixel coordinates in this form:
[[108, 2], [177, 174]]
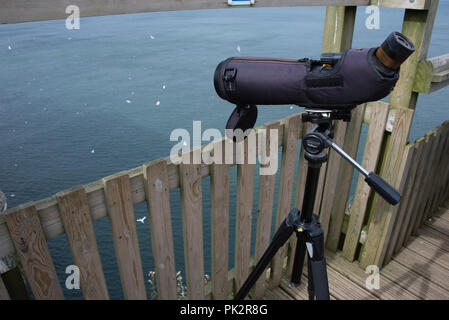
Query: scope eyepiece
[[395, 50]]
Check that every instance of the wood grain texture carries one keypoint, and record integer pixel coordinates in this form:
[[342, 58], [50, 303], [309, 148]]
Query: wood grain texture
[[267, 185], [75, 215], [24, 11], [404, 169], [419, 182], [417, 26], [337, 37], [158, 203], [344, 178], [371, 152], [424, 193], [48, 209], [192, 226], [438, 170], [402, 216], [220, 229], [32, 250], [243, 216], [382, 212], [292, 128], [124, 234], [332, 177]]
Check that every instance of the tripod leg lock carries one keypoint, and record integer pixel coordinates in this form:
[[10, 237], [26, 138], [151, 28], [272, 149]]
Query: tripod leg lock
[[314, 238]]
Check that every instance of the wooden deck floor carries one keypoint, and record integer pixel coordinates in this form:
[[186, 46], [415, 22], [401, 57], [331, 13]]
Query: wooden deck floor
[[419, 271]]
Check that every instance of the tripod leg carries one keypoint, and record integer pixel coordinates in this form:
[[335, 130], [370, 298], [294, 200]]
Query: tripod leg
[[298, 261], [310, 285], [317, 263], [281, 236]]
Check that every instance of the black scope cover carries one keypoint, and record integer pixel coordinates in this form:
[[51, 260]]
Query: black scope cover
[[354, 78]]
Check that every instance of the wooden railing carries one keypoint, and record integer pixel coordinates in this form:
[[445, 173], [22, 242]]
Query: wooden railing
[[25, 229]]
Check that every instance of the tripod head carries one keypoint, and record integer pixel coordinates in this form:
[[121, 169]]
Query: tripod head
[[317, 140]]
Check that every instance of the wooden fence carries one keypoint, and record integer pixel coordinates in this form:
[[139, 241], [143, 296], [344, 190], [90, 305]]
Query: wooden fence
[[26, 228], [370, 231]]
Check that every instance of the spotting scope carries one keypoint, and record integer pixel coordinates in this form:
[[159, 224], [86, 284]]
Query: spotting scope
[[337, 80]]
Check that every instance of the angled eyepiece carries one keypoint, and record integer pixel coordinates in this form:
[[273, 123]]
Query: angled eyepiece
[[395, 50]]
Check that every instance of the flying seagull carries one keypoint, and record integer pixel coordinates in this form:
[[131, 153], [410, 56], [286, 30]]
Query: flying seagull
[[141, 219]]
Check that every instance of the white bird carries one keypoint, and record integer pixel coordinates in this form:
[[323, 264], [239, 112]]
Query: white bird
[[141, 219]]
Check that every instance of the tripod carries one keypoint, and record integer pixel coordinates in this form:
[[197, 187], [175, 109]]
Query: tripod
[[310, 236]]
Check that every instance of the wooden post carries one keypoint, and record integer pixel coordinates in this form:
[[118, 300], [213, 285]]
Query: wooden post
[[292, 127], [77, 220], [382, 214], [337, 37], [370, 156], [121, 216], [344, 178], [29, 240], [417, 26], [192, 224], [243, 215], [158, 203], [403, 216], [219, 184], [265, 212]]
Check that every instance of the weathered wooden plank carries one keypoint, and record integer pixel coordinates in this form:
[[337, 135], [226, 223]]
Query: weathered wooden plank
[[219, 185], [429, 251], [408, 280], [424, 194], [441, 225], [424, 267], [49, 212], [267, 185], [405, 4], [432, 74], [124, 234], [158, 203], [330, 191], [337, 37], [244, 208], [406, 163], [382, 217], [417, 26], [351, 144], [419, 183], [24, 11], [373, 144], [344, 289], [444, 176], [292, 128], [388, 290], [439, 171], [75, 214], [434, 237], [192, 223], [402, 216], [435, 174], [26, 231]]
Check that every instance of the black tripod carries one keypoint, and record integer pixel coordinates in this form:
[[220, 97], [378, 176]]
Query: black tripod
[[310, 236]]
